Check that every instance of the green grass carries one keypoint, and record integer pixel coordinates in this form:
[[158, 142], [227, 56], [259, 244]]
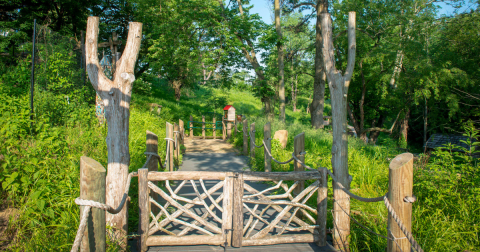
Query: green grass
[[46, 165]]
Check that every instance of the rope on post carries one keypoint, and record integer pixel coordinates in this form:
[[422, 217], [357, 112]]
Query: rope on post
[[402, 227], [300, 162], [270, 154], [89, 204], [263, 144], [153, 154]]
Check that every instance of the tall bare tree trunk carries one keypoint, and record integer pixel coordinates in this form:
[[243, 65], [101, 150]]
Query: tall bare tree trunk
[[317, 106], [281, 85], [338, 85], [404, 126], [295, 94], [291, 84], [116, 96]]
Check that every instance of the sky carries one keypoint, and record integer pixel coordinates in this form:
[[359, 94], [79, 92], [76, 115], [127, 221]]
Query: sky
[[265, 9]]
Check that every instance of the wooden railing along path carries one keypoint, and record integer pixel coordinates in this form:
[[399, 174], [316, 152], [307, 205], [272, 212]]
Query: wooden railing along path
[[223, 223]]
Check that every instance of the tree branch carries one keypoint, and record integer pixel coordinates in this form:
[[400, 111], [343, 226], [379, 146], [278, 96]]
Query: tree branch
[[302, 4]]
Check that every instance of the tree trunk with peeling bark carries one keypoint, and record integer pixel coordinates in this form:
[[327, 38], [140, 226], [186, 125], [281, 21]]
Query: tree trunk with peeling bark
[[338, 85], [281, 84], [116, 95]]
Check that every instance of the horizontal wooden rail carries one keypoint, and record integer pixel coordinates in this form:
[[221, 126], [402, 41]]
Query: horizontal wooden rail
[[273, 176], [186, 175], [297, 238], [249, 176], [167, 240]]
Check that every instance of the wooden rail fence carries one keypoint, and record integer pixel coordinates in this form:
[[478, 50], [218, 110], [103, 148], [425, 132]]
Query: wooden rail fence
[[233, 213], [216, 125]]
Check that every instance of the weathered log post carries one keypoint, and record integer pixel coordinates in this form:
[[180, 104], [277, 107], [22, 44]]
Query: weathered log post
[[144, 209], [252, 140], [92, 187], [152, 165], [299, 152], [400, 186], [203, 126], [235, 128], [338, 85], [116, 96], [214, 128], [181, 125], [229, 130], [267, 134], [191, 127], [224, 131], [322, 196], [237, 234], [228, 208], [170, 145], [245, 137], [176, 137]]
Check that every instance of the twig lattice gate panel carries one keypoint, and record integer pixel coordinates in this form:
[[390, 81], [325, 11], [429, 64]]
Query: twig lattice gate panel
[[224, 208]]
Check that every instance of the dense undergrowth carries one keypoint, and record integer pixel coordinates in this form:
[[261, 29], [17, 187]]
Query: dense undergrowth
[[446, 215], [39, 167]]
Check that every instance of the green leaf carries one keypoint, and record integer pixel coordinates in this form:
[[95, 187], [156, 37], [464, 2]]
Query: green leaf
[[40, 204]]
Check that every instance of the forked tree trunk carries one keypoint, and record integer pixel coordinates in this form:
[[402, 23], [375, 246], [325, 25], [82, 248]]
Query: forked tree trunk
[[281, 84], [338, 85], [116, 96]]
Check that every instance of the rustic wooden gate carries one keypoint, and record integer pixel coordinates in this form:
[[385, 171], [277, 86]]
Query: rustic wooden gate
[[245, 216]]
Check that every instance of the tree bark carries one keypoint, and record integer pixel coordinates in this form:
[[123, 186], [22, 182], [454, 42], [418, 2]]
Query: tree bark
[[317, 106], [374, 134], [177, 86], [116, 97], [338, 85], [281, 84], [404, 126], [295, 94]]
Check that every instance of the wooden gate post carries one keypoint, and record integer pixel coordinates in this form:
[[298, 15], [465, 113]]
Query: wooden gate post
[[252, 140], [191, 127], [144, 209], [214, 128], [181, 125], [229, 130], [237, 235], [176, 137], [400, 185], [245, 137], [299, 151], [92, 187], [152, 165], [169, 134], [267, 133], [203, 126], [224, 135], [235, 128], [322, 196], [227, 208]]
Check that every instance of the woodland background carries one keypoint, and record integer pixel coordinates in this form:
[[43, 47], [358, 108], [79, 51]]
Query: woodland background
[[416, 73]]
